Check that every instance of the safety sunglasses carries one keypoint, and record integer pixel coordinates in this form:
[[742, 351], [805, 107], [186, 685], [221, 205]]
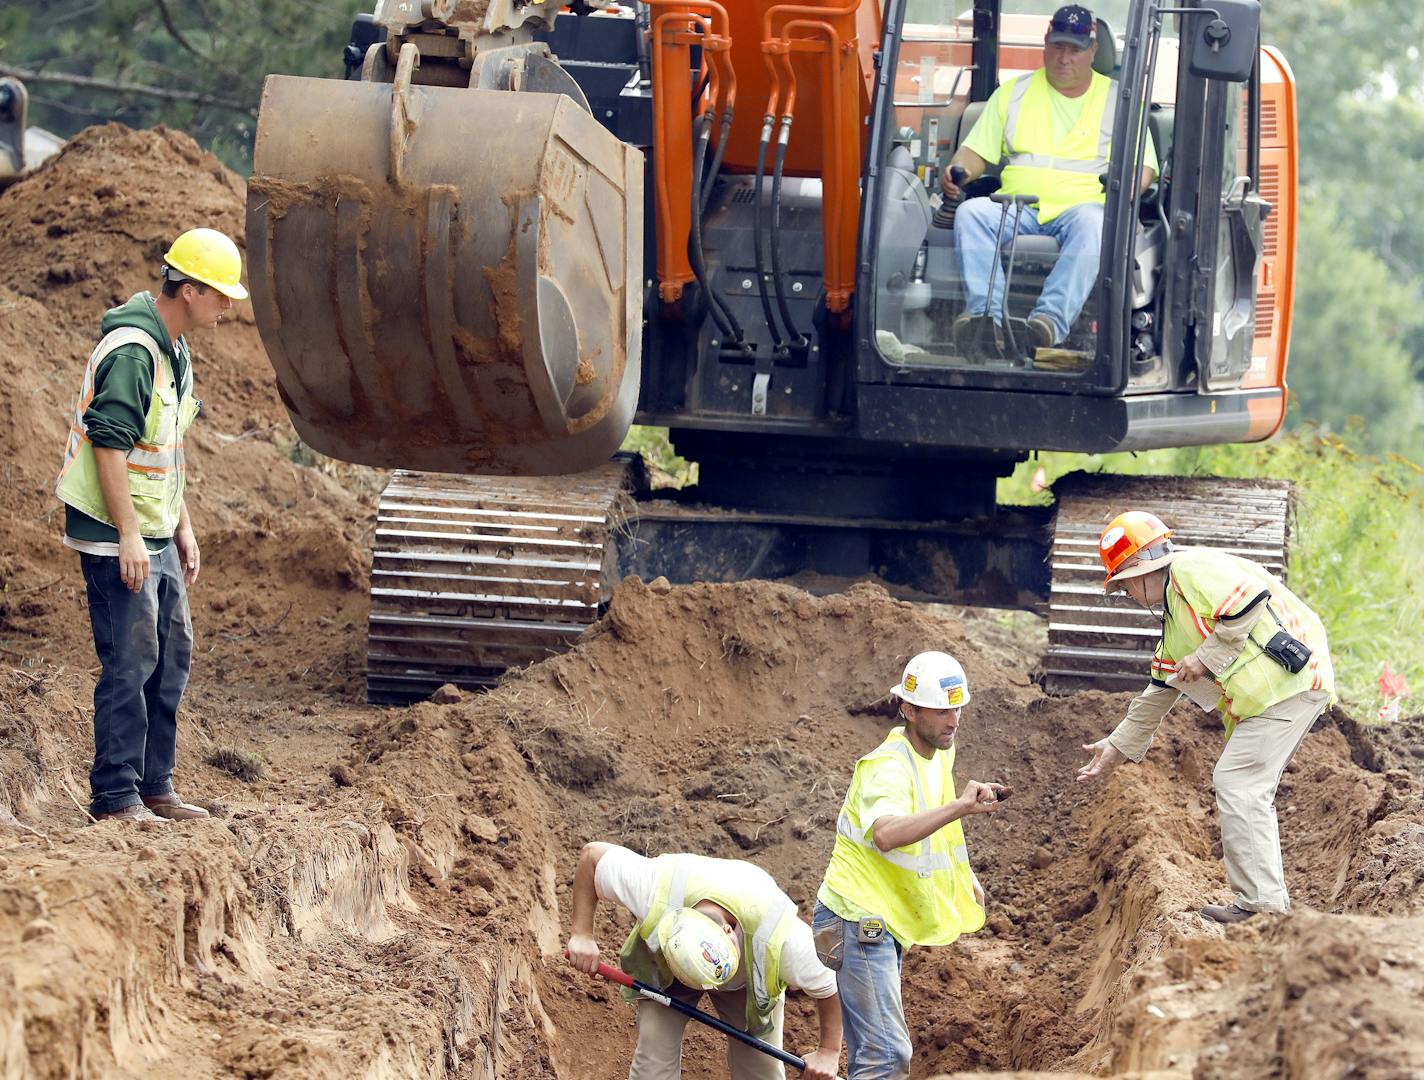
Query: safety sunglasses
[[1083, 30]]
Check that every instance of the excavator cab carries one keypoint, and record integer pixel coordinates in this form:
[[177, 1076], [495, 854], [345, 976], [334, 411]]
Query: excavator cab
[[1173, 306]]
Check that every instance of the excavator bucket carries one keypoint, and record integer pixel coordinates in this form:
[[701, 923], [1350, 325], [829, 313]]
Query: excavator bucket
[[447, 279]]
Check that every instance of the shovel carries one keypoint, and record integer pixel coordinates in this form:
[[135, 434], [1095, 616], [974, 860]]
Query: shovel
[[613, 974]]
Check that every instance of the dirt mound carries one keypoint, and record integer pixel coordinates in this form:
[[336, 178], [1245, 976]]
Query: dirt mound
[[84, 233], [384, 892]]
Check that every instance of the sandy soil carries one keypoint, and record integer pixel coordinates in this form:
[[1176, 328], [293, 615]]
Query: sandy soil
[[385, 893]]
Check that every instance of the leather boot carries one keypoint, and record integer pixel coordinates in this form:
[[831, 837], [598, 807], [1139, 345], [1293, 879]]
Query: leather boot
[[173, 808], [1226, 913]]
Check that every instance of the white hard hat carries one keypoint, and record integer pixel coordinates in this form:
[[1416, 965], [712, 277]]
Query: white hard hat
[[933, 680], [699, 953]]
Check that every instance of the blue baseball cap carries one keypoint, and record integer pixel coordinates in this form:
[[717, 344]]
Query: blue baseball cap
[[1072, 24]]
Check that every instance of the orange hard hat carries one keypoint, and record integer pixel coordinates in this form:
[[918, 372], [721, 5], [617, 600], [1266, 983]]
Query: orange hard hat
[[1125, 538]]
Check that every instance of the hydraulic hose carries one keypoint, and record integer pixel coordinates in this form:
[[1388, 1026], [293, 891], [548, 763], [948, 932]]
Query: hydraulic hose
[[710, 182], [776, 338], [798, 338], [721, 314]]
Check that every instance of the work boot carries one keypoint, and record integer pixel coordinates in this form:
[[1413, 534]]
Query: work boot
[[1226, 913], [173, 808], [1041, 333], [136, 814], [962, 329]]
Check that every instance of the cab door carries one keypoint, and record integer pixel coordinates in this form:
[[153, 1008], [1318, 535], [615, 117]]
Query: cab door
[[1217, 205], [1232, 238]]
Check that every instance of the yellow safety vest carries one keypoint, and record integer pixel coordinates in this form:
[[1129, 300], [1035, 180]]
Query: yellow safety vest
[[1204, 586], [925, 891], [1062, 172], [763, 912], [155, 464]]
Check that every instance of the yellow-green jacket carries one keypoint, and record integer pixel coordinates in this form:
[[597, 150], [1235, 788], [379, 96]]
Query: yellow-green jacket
[[763, 912], [925, 891], [1207, 587], [137, 396]]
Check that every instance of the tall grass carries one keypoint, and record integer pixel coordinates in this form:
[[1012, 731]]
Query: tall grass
[[1357, 551]]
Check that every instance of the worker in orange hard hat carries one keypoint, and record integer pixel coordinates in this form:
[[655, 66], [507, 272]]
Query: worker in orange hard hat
[[122, 484], [1236, 640]]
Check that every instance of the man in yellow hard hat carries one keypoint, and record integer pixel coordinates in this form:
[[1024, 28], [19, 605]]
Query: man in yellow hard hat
[[717, 926], [122, 485], [899, 873], [1235, 639]]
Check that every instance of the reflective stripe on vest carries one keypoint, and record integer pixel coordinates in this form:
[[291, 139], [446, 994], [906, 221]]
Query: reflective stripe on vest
[[927, 861], [156, 461], [1061, 170], [761, 927]]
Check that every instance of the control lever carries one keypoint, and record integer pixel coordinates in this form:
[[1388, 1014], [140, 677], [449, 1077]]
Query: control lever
[[944, 213]]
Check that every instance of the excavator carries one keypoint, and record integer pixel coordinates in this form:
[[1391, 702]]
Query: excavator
[[23, 148], [514, 229]]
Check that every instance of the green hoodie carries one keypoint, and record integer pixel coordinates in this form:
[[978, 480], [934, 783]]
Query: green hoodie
[[123, 391]]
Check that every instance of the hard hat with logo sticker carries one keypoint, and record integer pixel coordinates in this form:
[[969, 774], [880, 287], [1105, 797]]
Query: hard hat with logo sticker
[[209, 257], [1133, 544], [698, 951], [933, 680]]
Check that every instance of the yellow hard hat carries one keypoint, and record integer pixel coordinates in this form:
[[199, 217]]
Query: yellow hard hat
[[699, 953], [208, 256]]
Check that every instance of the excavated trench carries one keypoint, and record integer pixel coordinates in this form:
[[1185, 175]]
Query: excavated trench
[[393, 900], [384, 893]]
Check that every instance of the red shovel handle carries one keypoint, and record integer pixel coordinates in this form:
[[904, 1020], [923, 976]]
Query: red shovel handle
[[613, 974]]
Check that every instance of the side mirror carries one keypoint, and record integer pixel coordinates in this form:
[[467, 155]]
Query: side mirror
[[1224, 37]]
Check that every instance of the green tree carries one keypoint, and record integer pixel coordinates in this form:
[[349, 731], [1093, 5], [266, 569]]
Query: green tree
[[218, 50], [1349, 356]]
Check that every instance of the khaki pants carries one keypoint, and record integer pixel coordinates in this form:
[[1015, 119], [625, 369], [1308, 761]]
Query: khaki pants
[[658, 1055], [1246, 778]]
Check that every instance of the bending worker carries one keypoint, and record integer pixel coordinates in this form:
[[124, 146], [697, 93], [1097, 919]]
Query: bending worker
[[1054, 128], [715, 926], [899, 872], [122, 485], [1232, 634]]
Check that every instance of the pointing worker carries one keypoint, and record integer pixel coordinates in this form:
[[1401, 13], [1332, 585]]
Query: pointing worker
[[899, 873]]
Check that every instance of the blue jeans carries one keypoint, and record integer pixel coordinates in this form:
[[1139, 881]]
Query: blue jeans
[[877, 1037], [145, 644], [1079, 232]]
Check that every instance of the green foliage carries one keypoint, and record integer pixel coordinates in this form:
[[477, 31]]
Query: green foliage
[[219, 48], [1355, 552], [1357, 343], [1349, 355], [665, 468]]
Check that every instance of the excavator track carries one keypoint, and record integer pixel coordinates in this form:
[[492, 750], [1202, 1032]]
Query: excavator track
[[1105, 642], [472, 576]]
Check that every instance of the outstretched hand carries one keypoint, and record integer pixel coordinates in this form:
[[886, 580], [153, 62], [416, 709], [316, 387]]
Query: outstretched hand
[[1106, 757], [980, 798]]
